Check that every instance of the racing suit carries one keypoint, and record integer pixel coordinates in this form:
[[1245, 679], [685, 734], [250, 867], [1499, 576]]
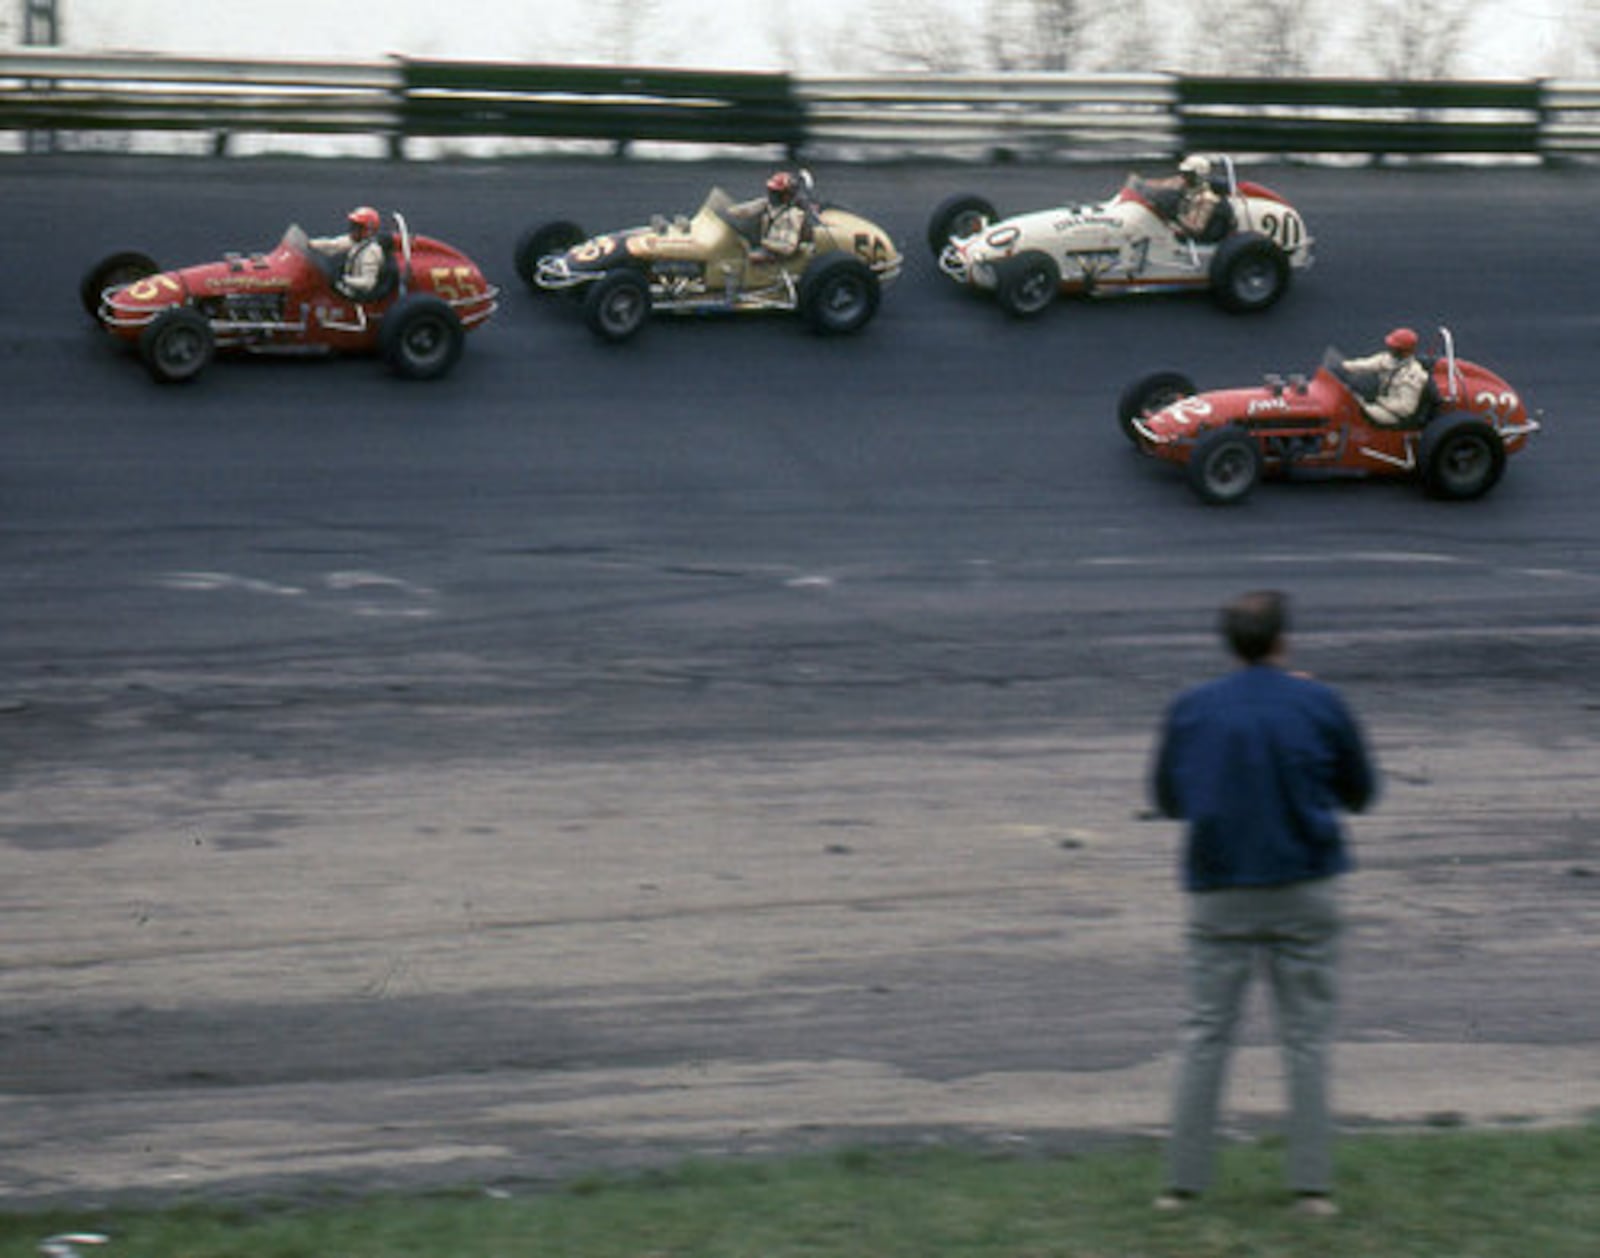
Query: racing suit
[[1197, 206], [362, 266], [1401, 380], [781, 227]]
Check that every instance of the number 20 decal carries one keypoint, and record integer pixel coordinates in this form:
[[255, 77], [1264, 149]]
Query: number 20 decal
[[1285, 228]]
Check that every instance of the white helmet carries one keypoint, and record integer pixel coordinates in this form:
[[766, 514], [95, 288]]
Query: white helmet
[[1195, 167]]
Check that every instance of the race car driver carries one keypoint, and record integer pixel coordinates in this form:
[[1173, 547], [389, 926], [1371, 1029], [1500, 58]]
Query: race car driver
[[360, 251], [1401, 379], [781, 219], [1195, 208]]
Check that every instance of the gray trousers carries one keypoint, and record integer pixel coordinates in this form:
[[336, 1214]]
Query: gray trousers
[[1294, 931]]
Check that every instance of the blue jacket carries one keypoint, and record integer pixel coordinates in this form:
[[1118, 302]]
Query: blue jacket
[[1259, 763]]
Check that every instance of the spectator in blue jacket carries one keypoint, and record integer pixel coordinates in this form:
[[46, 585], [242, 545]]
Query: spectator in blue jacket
[[1259, 764]]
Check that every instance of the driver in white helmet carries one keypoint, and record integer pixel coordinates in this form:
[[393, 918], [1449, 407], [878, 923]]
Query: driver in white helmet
[[1188, 198], [360, 250]]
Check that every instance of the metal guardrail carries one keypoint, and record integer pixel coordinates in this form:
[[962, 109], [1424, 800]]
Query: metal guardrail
[[1030, 115], [1011, 114], [1359, 116], [59, 91], [622, 106], [1571, 126]]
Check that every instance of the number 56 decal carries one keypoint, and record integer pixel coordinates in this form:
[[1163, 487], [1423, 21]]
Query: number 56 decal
[[873, 250], [153, 287]]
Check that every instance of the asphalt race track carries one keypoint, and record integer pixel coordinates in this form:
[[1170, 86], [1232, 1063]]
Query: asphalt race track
[[733, 741]]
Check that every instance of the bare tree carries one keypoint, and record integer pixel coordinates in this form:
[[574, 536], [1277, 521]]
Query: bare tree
[[779, 24], [1267, 37], [1038, 34], [1401, 40], [1061, 29], [1131, 43], [927, 37], [629, 22]]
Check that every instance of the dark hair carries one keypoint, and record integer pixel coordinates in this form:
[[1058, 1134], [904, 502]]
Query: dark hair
[[1254, 624]]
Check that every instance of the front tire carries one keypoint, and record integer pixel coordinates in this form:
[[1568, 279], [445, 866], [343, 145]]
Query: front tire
[[1249, 273], [957, 218], [1462, 458], [838, 294], [541, 242], [421, 338], [1153, 393], [1224, 467], [113, 272], [176, 345], [1027, 284], [617, 305]]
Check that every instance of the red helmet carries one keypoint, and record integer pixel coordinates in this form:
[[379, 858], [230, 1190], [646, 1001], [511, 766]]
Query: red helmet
[[364, 222], [1402, 341], [781, 186]]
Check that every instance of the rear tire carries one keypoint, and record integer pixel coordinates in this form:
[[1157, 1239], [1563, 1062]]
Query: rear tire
[[617, 305], [421, 337], [113, 272], [958, 217], [1249, 273], [1148, 395], [838, 294], [1027, 284], [1462, 458], [541, 242], [1224, 467], [176, 345]]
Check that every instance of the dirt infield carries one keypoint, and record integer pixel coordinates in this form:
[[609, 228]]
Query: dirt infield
[[231, 983]]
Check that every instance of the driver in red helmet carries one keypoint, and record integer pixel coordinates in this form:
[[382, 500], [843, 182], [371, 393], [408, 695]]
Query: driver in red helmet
[[1401, 379], [780, 217], [360, 250]]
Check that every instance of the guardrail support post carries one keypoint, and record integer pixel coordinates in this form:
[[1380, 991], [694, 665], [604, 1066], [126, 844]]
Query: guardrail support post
[[41, 28]]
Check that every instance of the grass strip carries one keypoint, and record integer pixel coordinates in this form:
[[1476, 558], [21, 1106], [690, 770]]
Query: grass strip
[[1457, 1194]]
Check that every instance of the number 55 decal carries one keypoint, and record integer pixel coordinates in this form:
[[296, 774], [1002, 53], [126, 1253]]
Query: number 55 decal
[[453, 283]]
